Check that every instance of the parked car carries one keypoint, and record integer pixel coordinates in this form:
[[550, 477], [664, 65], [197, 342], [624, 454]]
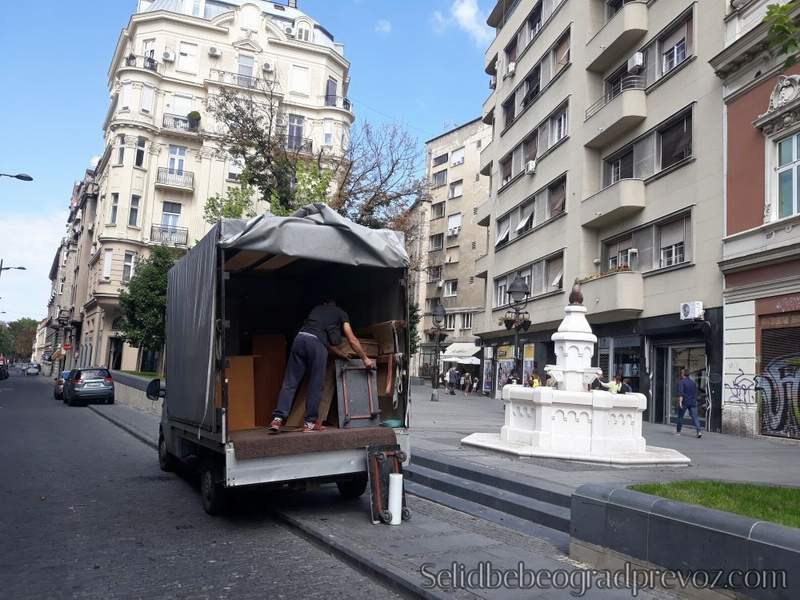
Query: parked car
[[92, 384], [58, 391], [3, 371], [32, 370]]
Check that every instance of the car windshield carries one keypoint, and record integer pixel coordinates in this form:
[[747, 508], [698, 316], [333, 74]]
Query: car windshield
[[94, 374]]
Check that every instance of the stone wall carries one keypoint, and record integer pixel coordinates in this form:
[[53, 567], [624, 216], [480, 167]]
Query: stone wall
[[129, 390]]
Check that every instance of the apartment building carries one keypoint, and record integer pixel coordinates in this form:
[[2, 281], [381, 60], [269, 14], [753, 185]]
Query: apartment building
[[59, 306], [605, 166], [163, 156], [455, 242], [761, 244], [417, 248]]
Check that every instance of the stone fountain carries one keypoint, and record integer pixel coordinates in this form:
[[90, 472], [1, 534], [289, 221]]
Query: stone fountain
[[569, 422]]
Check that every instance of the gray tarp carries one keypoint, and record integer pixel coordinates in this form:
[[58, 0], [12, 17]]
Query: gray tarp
[[315, 232]]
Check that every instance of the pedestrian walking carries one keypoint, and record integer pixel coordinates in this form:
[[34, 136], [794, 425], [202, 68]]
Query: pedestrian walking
[[467, 385], [475, 384], [453, 380], [687, 400]]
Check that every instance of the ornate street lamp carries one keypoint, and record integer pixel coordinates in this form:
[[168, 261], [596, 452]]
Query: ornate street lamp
[[439, 314], [517, 319]]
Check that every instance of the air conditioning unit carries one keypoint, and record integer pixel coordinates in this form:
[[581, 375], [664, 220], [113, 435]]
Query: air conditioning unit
[[440, 283], [168, 56], [691, 311], [267, 68], [530, 167], [214, 52], [636, 63], [511, 69], [289, 32]]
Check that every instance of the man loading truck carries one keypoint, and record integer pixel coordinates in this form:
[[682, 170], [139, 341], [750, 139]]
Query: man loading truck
[[321, 331]]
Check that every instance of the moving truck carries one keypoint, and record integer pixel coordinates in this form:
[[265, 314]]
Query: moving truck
[[235, 302]]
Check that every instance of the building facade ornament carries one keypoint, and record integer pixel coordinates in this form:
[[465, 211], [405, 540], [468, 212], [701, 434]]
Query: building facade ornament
[[783, 111]]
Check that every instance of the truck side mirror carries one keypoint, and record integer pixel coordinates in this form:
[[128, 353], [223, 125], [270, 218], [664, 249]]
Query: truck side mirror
[[154, 391]]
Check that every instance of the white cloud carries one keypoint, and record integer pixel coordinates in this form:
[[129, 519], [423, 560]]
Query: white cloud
[[467, 16], [383, 26], [31, 241]]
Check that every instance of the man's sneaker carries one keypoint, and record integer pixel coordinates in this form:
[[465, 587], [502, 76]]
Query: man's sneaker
[[699, 434], [313, 426], [276, 424], [677, 433]]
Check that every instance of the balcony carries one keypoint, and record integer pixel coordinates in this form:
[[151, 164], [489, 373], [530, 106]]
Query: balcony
[[484, 215], [167, 235], [617, 37], [619, 110], [618, 201], [181, 124], [174, 179], [140, 62], [244, 81], [338, 102], [614, 296], [482, 266], [297, 144]]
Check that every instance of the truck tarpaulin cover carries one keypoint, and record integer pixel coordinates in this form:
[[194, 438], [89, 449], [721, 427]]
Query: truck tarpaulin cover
[[315, 232]]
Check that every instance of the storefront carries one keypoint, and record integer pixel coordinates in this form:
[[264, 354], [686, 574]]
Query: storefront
[[535, 350]]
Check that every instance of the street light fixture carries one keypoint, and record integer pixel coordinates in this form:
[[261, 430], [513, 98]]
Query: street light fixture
[[439, 314], [518, 319], [20, 176], [2, 268]]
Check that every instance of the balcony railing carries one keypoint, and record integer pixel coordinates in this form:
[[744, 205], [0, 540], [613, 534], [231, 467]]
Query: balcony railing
[[179, 123], [629, 82], [141, 62], [175, 178], [338, 102], [246, 81], [169, 235], [297, 144]]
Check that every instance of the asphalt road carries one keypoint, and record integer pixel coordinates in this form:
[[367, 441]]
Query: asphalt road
[[85, 512]]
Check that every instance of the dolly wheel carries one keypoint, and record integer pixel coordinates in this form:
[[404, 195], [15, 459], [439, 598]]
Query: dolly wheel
[[386, 516], [406, 514]]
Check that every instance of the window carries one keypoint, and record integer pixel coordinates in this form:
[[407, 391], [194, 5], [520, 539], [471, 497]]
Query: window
[[177, 159], [500, 296], [561, 53], [434, 273], [457, 157], [675, 52], [450, 320], [440, 160], [235, 168], [525, 218], [534, 22], [558, 126], [112, 216], [439, 179], [618, 167], [466, 320], [532, 86], [182, 105], [673, 238], [530, 148], [128, 266], [556, 197], [299, 80], [554, 273], [108, 257], [133, 213], [214, 8], [330, 92], [451, 287], [187, 57], [149, 48], [244, 72], [614, 6], [454, 224], [171, 214], [676, 141], [148, 96], [125, 97], [437, 210], [296, 131], [303, 33], [509, 111], [140, 145], [327, 131], [457, 189], [669, 51], [635, 251], [437, 241], [788, 176], [61, 287], [620, 255], [195, 7], [505, 171], [503, 231], [120, 149], [511, 51]]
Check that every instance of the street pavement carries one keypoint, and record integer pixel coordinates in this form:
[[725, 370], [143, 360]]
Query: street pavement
[[85, 512], [440, 426]]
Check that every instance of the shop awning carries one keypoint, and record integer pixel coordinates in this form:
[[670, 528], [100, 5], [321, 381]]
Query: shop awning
[[460, 350]]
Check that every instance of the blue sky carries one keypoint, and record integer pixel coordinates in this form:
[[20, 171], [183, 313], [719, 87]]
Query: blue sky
[[417, 62]]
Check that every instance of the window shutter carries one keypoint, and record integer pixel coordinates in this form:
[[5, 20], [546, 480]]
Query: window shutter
[[643, 242], [540, 210], [125, 96], [108, 256], [546, 70], [538, 283], [644, 157], [672, 38], [147, 99], [516, 161], [671, 233], [650, 63]]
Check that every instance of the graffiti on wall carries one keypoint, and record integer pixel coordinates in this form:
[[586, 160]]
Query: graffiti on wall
[[742, 390], [779, 386]]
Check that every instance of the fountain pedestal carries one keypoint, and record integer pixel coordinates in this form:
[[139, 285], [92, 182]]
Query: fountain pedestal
[[569, 422]]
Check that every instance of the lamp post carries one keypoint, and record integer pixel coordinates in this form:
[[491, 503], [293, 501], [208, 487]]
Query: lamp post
[[20, 176], [518, 319], [2, 268], [439, 314]]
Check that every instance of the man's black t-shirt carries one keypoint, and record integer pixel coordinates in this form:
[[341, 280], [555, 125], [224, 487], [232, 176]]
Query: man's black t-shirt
[[321, 318]]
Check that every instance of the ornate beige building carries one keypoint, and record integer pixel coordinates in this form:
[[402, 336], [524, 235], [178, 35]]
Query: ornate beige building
[[161, 163]]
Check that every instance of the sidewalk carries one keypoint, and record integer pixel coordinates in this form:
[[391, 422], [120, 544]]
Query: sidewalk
[[439, 427], [435, 536]]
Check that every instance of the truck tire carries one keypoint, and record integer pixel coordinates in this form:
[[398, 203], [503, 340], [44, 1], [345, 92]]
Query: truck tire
[[212, 492], [166, 461], [350, 489]]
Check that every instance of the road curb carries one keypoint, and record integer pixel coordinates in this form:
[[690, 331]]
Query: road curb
[[385, 574], [125, 427]]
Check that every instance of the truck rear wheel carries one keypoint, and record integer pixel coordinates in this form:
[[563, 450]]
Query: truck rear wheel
[[212, 492], [352, 488]]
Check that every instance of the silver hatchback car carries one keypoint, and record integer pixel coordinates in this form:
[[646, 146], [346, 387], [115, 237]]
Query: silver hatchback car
[[83, 386]]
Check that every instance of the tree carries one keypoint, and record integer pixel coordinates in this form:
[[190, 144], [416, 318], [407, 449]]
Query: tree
[[23, 332], [413, 323], [237, 203], [144, 301], [6, 340], [784, 33]]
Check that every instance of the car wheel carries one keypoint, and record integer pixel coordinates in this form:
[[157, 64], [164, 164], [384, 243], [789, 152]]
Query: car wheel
[[165, 460], [213, 493], [351, 489], [110, 400]]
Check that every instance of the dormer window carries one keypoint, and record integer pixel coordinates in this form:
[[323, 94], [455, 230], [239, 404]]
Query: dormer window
[[303, 32]]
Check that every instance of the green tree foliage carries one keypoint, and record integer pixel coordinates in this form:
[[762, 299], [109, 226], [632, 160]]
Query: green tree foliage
[[23, 332], [6, 340], [309, 185], [784, 33], [236, 204], [144, 301], [413, 322]]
